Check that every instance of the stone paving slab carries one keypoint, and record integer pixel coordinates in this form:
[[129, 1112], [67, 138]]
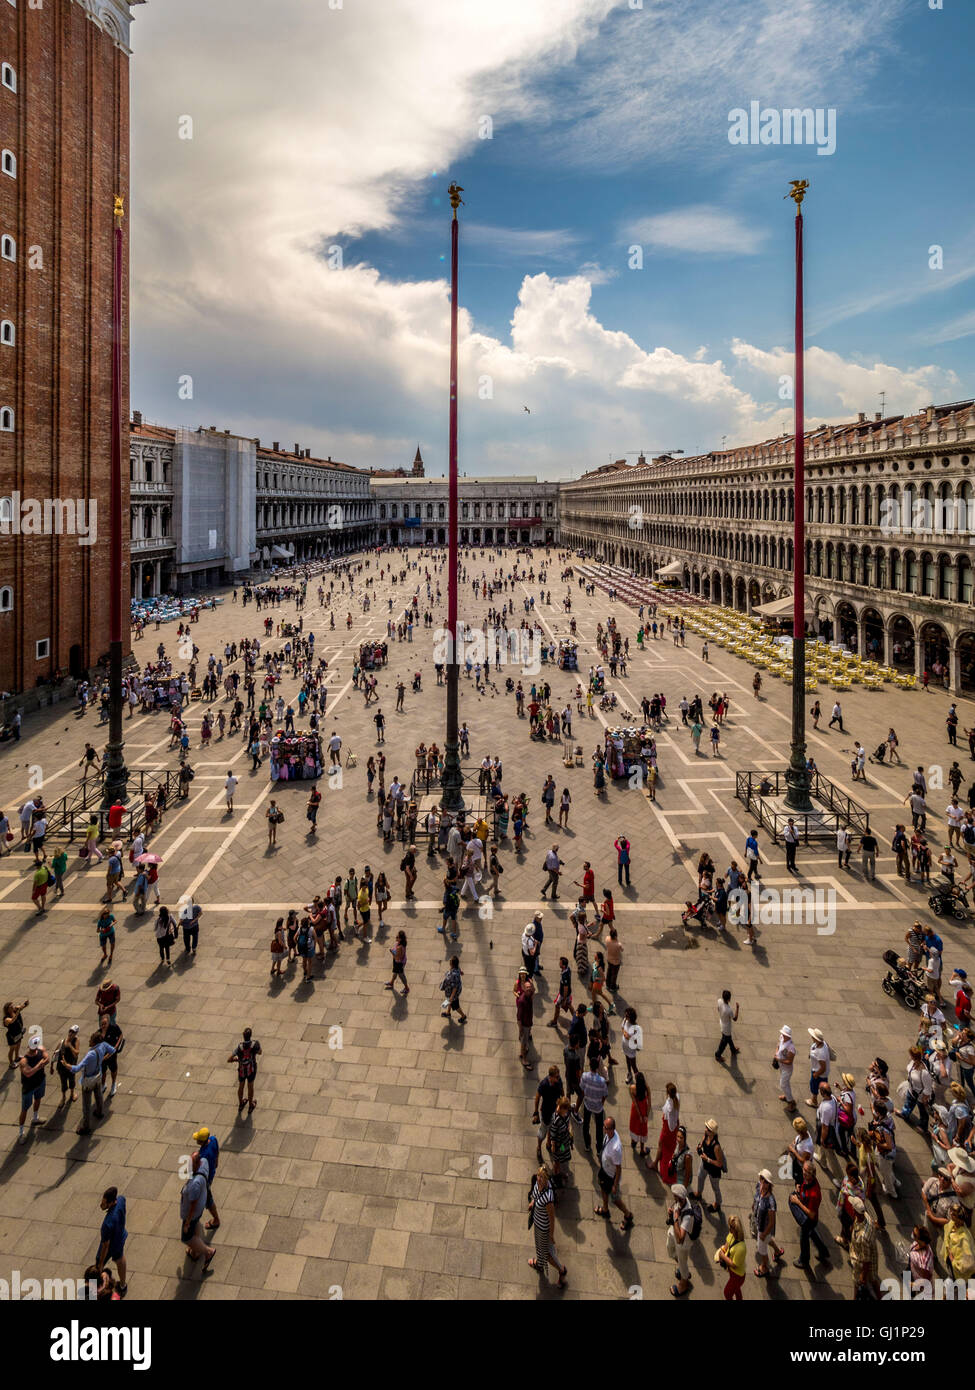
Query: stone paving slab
[[361, 1168]]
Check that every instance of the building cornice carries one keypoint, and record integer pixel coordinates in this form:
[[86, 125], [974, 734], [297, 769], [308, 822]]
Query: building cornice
[[114, 17]]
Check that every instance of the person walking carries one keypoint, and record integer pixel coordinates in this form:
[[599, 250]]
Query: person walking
[[683, 1227], [863, 1252], [667, 1139], [165, 934], [398, 953], [541, 1217], [553, 867], [763, 1210], [274, 816], [547, 1096], [844, 843], [245, 1055], [610, 1173], [752, 857], [711, 1164], [868, 855], [192, 1205], [594, 1091], [112, 1238], [209, 1150], [229, 787], [727, 1016], [804, 1204], [452, 985], [90, 1068], [783, 1061], [836, 717], [733, 1256]]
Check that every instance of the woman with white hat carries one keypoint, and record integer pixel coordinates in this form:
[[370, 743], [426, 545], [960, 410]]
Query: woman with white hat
[[782, 1062], [818, 1064]]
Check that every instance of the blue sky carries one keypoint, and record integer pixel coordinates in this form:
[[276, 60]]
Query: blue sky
[[609, 129]]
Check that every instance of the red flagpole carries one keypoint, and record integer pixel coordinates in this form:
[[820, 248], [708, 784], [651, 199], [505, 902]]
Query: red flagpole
[[116, 773], [452, 782], [797, 777], [799, 507]]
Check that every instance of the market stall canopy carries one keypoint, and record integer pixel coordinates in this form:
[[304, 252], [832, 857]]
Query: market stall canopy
[[668, 571], [778, 608], [281, 552]]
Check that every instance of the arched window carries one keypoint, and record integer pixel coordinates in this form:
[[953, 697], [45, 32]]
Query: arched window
[[6, 418], [8, 333], [6, 599], [8, 163], [8, 248], [8, 77]]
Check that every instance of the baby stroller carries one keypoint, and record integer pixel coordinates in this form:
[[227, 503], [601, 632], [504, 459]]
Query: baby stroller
[[697, 913], [901, 979], [947, 899], [879, 753]]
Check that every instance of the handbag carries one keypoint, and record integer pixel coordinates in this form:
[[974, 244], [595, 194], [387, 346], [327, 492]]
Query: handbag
[[775, 1063]]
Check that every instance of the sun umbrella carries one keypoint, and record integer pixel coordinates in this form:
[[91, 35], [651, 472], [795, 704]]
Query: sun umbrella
[[148, 859]]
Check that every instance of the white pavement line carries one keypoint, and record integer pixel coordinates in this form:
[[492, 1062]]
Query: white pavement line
[[434, 905], [696, 805], [231, 836]]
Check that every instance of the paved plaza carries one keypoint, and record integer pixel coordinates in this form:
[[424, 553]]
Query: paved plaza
[[391, 1152]]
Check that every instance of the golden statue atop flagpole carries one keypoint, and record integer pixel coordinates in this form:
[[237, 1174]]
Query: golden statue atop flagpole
[[797, 190], [119, 207]]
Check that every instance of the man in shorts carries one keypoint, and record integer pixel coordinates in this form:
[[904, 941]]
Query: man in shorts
[[192, 1205], [113, 1237], [546, 1099], [610, 1172]]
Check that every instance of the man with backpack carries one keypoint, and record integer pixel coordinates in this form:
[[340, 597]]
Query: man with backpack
[[245, 1054], [451, 987], [684, 1221]]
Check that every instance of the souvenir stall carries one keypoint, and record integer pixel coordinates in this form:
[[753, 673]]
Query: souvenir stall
[[627, 749], [372, 655], [296, 757], [568, 656]]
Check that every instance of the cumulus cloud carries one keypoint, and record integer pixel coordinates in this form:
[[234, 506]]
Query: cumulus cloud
[[313, 126]]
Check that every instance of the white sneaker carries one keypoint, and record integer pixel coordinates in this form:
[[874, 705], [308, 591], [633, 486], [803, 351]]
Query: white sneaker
[[112, 1091]]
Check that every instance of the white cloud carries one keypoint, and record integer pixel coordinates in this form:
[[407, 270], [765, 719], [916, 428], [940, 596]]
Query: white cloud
[[833, 383], [698, 230]]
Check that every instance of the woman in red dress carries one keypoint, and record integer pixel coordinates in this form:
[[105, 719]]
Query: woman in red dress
[[667, 1140]]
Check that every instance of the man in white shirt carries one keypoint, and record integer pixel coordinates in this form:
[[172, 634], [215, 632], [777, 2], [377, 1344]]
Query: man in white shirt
[[553, 867], [844, 842], [610, 1171], [785, 1056], [826, 1113], [956, 819], [818, 1064], [726, 1016], [791, 837], [679, 1236], [230, 786], [335, 749]]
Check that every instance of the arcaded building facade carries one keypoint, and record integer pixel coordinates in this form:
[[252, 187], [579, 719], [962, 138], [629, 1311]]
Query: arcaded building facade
[[890, 518]]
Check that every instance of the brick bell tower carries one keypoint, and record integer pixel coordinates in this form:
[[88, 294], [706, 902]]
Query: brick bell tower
[[418, 471], [64, 132]]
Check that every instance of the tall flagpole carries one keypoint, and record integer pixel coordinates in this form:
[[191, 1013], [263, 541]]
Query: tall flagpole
[[452, 781], [116, 773], [797, 778]]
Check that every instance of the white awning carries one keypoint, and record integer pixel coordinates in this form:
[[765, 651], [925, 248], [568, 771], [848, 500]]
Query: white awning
[[281, 552], [777, 608], [674, 568]]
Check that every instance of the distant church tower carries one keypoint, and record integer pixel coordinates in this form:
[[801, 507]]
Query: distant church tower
[[418, 464]]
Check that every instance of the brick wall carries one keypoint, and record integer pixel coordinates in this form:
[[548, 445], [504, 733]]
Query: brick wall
[[67, 125]]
